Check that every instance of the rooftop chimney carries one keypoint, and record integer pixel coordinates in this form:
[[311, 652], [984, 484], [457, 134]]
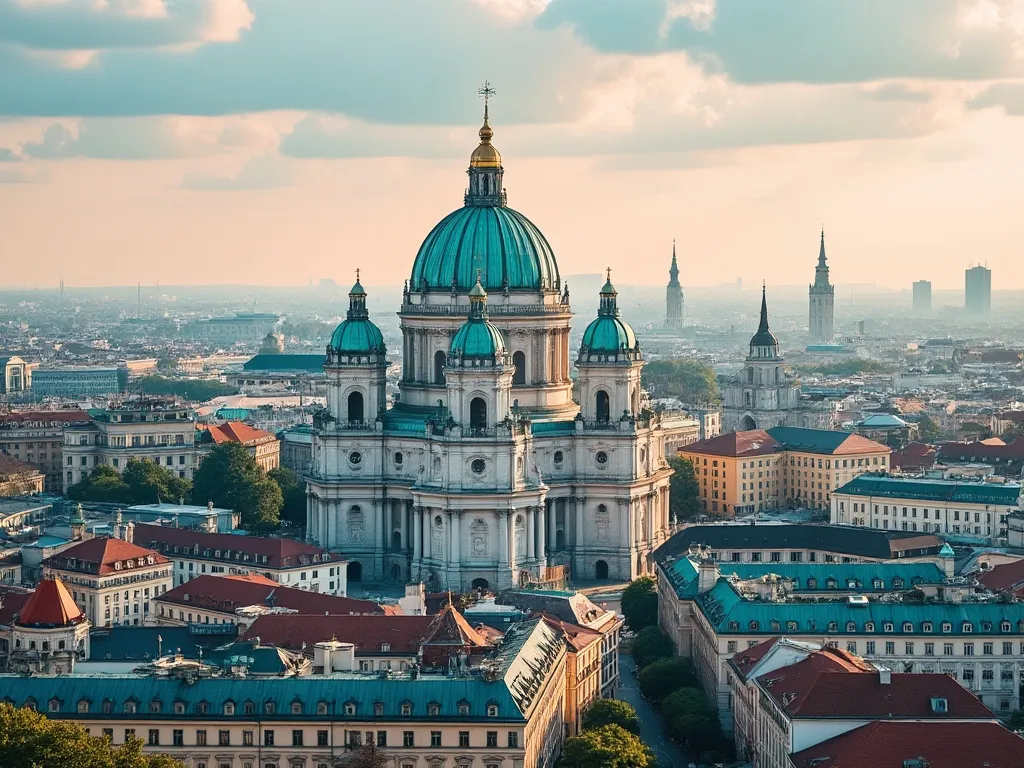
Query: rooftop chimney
[[885, 676]]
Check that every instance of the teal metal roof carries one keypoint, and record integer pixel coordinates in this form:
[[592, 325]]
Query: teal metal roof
[[357, 336], [285, 363], [932, 490], [731, 614], [608, 334], [862, 577], [825, 441], [477, 338], [503, 244], [409, 419], [553, 427]]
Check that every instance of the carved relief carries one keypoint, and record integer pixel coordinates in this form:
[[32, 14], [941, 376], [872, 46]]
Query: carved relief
[[355, 526], [478, 534], [520, 537], [437, 536]]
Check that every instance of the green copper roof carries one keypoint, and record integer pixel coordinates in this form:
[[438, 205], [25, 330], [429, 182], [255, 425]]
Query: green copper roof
[[932, 490], [285, 362], [357, 337], [504, 245], [477, 338], [608, 334]]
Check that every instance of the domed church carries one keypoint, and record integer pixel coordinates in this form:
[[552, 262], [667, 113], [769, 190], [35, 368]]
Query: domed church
[[485, 471]]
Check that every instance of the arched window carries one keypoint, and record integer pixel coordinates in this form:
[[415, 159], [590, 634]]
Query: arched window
[[440, 359], [603, 406], [478, 413], [355, 406], [519, 376]]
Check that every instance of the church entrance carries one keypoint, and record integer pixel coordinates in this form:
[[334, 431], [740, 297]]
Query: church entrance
[[355, 571], [601, 570], [747, 423]]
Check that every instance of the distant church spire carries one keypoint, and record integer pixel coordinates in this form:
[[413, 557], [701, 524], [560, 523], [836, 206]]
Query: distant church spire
[[762, 327], [821, 252], [821, 297], [673, 296]]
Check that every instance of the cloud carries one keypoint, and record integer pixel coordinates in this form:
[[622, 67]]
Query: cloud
[[9, 155], [1009, 96], [75, 25], [262, 172], [23, 174], [809, 41]]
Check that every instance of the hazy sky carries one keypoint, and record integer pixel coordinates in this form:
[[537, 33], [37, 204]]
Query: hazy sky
[[278, 141]]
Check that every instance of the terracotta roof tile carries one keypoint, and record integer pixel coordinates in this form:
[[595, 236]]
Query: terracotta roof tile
[[753, 442], [369, 633], [12, 599], [747, 659], [226, 595], [10, 467], [50, 605], [937, 745], [236, 432], [1004, 577], [99, 555], [280, 552]]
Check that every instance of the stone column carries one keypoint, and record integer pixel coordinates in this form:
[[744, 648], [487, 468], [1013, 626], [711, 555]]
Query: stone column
[[627, 526], [553, 524], [427, 549], [531, 533], [541, 534], [503, 542], [311, 528], [455, 530], [578, 502], [378, 524], [417, 529]]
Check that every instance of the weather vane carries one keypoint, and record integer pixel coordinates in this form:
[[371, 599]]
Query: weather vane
[[486, 91]]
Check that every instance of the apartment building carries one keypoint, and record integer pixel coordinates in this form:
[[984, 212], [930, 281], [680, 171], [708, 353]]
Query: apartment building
[[263, 446], [37, 437], [156, 430]]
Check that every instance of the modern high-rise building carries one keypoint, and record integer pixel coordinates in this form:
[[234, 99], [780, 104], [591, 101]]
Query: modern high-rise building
[[978, 291], [822, 296], [674, 296], [922, 296]]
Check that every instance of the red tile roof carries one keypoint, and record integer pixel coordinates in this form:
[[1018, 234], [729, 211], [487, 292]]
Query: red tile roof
[[449, 627], [226, 595], [279, 553], [12, 599], [578, 637], [11, 467], [754, 442], [99, 556], [747, 659], [50, 605], [913, 456], [369, 633], [936, 745], [980, 451], [236, 432], [1004, 577], [840, 685]]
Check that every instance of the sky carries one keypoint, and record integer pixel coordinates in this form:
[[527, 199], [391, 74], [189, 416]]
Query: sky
[[276, 142]]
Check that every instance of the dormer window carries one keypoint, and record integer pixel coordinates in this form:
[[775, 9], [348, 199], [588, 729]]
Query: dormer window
[[464, 709], [986, 626], [83, 706], [926, 626], [947, 626], [897, 583], [775, 625], [130, 707], [791, 626], [754, 626], [155, 706], [350, 708], [201, 708], [229, 708], [908, 626], [888, 626], [878, 584], [378, 709], [831, 583], [53, 705], [249, 708], [833, 626], [406, 708], [433, 709], [940, 705], [967, 627], [851, 626], [296, 707], [385, 647], [492, 710], [179, 708], [321, 708], [812, 583], [1004, 626], [117, 566], [269, 708]]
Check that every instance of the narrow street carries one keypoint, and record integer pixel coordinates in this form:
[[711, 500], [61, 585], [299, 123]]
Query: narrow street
[[651, 731]]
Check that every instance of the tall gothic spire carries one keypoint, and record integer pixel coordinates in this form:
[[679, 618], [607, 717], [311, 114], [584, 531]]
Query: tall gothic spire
[[821, 252], [762, 327], [673, 271]]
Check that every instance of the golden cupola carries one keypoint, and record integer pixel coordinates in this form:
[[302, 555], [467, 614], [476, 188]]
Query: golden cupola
[[485, 155]]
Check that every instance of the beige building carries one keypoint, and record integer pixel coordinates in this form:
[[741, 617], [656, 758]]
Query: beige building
[[37, 437], [112, 581], [161, 431], [262, 446], [582, 672], [18, 478], [505, 713]]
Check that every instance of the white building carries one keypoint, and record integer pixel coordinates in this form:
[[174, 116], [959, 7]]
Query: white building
[[486, 472]]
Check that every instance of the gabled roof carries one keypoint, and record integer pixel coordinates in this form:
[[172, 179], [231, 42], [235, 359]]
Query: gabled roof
[[577, 637], [369, 633], [982, 451], [279, 552], [235, 432], [934, 745], [1007, 576], [829, 442], [752, 442], [449, 627], [226, 595], [50, 605], [103, 556], [571, 607], [744, 661]]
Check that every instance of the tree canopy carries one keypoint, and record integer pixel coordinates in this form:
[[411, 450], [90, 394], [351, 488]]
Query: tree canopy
[[683, 490], [611, 711], [198, 390], [692, 719], [640, 603], [847, 367], [30, 740], [143, 482], [651, 644], [661, 678], [230, 477], [688, 380], [293, 492], [610, 746]]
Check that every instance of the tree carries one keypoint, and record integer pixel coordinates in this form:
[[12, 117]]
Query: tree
[[640, 603], [30, 740], [231, 478], [198, 390], [683, 489], [102, 484], [293, 492], [661, 678], [650, 645], [149, 483], [611, 711], [928, 429], [367, 756], [610, 746], [699, 732], [688, 380]]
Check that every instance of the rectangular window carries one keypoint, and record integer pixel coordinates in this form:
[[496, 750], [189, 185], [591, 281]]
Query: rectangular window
[[870, 651], [513, 739], [986, 649], [321, 738], [890, 648], [178, 737], [909, 649], [224, 738], [1007, 649], [382, 738], [200, 738], [154, 737], [297, 738], [492, 738], [435, 738], [407, 739], [463, 738], [968, 649], [929, 649], [247, 738], [268, 738], [947, 649]]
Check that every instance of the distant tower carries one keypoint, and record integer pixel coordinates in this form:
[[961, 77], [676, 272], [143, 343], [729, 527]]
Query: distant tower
[[922, 297], [674, 296], [978, 291], [822, 301]]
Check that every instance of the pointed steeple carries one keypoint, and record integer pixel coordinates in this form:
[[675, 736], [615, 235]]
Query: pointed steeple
[[762, 327], [673, 271], [763, 344], [821, 252]]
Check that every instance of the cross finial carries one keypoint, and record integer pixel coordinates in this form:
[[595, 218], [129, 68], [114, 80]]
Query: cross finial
[[486, 91], [357, 274], [608, 274]]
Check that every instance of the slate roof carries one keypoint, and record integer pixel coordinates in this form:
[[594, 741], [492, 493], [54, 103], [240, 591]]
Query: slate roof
[[51, 605], [226, 595], [571, 607], [279, 552], [936, 745], [932, 490], [368, 633], [99, 556], [854, 541], [120, 643]]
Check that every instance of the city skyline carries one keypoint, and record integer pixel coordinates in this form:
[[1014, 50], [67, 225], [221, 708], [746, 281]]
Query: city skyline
[[200, 143]]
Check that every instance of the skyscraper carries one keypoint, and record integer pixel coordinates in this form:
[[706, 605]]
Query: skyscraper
[[674, 296], [978, 291], [922, 297], [822, 301]]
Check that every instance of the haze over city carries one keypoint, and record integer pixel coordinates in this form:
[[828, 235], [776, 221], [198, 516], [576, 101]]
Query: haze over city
[[270, 143]]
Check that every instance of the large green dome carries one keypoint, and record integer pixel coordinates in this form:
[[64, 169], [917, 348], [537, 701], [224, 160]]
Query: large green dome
[[504, 245], [608, 334]]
